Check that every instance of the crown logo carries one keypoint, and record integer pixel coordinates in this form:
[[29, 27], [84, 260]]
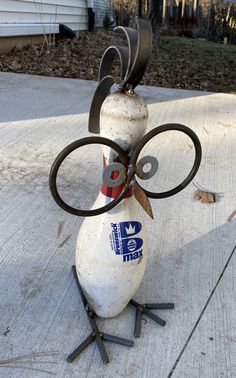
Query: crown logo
[[130, 230]]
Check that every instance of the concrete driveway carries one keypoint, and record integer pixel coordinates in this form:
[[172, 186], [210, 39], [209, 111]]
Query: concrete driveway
[[192, 259]]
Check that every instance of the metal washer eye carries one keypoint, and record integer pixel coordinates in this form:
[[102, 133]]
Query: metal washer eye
[[114, 167], [141, 164]]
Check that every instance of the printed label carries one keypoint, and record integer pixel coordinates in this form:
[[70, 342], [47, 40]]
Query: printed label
[[124, 241]]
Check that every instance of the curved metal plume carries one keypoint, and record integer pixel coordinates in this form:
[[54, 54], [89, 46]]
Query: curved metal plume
[[133, 61]]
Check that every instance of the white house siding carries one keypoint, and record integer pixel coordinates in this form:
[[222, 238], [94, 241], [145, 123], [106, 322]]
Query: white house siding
[[32, 17], [101, 7]]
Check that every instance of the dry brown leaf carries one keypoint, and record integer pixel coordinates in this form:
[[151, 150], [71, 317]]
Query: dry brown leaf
[[204, 197], [142, 199], [232, 215], [80, 58]]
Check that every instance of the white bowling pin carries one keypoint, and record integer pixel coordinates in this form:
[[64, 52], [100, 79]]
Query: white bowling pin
[[111, 251]]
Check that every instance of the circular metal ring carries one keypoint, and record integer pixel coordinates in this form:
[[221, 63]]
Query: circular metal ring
[[62, 156], [198, 154], [107, 173], [142, 162]]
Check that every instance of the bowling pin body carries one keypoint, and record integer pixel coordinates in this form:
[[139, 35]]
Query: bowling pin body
[[111, 251]]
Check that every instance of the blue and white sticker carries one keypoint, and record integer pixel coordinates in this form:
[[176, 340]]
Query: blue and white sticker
[[124, 240]]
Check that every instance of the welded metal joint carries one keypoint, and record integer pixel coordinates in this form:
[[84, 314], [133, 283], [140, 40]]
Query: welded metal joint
[[145, 309]]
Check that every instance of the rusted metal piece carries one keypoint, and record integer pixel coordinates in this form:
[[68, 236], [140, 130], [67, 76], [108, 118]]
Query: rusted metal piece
[[142, 53], [102, 91], [133, 61], [142, 199]]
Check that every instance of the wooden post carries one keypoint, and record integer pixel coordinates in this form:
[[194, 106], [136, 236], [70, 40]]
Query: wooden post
[[176, 12], [164, 12], [190, 9], [183, 8], [171, 8], [194, 8]]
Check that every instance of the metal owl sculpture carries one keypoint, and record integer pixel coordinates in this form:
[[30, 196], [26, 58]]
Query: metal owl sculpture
[[112, 248]]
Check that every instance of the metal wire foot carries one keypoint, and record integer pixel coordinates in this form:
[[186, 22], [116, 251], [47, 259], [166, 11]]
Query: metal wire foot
[[96, 334], [145, 309]]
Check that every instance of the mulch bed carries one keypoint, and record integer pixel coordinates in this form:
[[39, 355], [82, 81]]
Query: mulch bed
[[80, 59]]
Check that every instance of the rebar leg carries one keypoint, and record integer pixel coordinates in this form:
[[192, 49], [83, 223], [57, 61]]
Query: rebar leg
[[80, 348], [96, 335], [138, 319], [145, 309], [102, 349], [117, 340]]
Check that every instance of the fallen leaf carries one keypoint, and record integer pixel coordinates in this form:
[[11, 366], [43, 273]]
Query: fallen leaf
[[204, 197]]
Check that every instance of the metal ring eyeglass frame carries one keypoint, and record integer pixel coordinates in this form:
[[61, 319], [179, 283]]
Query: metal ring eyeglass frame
[[130, 166]]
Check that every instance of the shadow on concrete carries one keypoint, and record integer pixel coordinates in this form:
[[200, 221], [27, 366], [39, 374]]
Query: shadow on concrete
[[24, 97], [189, 277]]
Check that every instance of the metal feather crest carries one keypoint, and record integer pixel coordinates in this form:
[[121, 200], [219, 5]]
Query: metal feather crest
[[133, 61]]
